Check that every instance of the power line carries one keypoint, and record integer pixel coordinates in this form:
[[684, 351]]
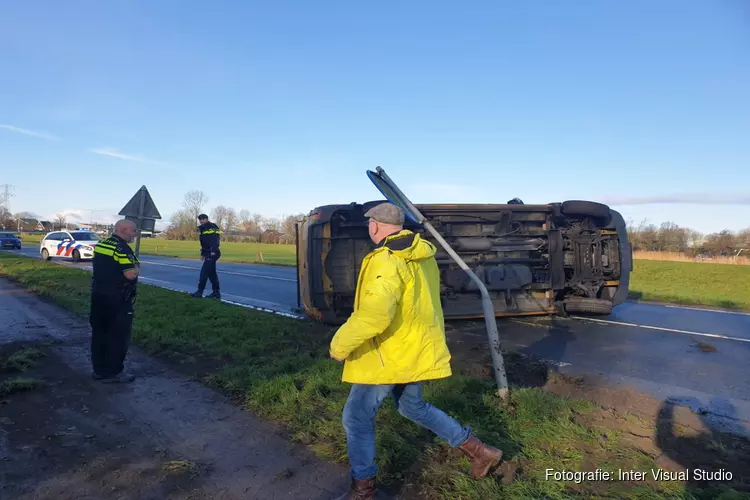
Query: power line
[[6, 192]]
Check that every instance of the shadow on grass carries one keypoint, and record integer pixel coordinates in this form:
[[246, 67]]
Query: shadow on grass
[[714, 460]]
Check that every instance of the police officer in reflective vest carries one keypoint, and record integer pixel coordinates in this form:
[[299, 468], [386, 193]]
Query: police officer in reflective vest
[[210, 236], [113, 290]]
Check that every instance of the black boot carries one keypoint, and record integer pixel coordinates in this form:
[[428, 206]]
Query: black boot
[[215, 295], [197, 295]]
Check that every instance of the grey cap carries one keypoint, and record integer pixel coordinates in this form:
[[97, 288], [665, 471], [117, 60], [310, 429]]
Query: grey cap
[[386, 213]]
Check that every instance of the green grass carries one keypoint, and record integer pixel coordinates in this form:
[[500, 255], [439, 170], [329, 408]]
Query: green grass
[[692, 283], [20, 360], [248, 253], [279, 367], [15, 385]]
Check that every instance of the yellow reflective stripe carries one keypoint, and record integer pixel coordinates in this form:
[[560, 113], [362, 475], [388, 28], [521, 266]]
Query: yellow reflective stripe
[[122, 258], [103, 251], [106, 245], [211, 231], [111, 251]]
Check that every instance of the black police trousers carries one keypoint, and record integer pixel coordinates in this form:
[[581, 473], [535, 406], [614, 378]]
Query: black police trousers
[[208, 273], [111, 327]]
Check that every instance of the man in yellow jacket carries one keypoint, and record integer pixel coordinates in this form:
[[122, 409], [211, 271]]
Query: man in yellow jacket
[[395, 339]]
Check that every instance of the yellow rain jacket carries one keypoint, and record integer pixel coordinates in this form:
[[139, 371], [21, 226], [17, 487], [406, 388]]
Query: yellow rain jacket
[[396, 333]]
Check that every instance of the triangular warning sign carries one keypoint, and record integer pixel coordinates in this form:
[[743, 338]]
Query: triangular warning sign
[[141, 199]]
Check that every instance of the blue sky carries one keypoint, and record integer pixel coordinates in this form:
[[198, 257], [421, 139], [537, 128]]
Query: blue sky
[[623, 102]]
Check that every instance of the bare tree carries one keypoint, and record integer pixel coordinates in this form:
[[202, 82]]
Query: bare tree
[[231, 222], [219, 215], [194, 202], [272, 224], [288, 226], [743, 239], [245, 221], [672, 238], [694, 239], [6, 219], [60, 220], [721, 243], [244, 217]]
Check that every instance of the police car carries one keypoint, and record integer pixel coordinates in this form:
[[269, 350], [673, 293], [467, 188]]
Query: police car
[[77, 244]]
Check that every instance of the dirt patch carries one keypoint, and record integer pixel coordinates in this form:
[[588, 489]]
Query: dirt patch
[[162, 437], [62, 440], [705, 347]]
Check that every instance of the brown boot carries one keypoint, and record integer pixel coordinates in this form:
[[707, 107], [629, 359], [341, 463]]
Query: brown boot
[[483, 458], [362, 489]]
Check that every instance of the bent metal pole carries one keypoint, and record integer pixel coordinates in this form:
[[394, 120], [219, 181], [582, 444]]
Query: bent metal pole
[[490, 322]]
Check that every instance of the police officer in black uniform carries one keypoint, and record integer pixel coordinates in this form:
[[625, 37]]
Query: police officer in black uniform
[[113, 290], [210, 237]]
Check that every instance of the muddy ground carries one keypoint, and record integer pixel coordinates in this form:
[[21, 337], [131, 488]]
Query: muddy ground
[[163, 437], [168, 437], [668, 431]]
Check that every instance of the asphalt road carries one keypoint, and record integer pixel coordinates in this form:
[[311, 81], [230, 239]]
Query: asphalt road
[[649, 347]]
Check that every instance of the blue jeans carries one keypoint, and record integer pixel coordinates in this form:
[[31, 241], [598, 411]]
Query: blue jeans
[[359, 421]]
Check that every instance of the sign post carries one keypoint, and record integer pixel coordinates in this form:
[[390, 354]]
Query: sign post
[[141, 210]]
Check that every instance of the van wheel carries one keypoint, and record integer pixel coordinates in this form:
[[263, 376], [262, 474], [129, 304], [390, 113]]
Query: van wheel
[[597, 211], [585, 305], [45, 254], [76, 256]]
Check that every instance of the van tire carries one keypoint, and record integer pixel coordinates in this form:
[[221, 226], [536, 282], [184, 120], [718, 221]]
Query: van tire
[[597, 211], [585, 305]]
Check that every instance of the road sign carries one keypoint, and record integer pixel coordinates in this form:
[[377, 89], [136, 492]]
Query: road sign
[[141, 210], [143, 224], [141, 206]]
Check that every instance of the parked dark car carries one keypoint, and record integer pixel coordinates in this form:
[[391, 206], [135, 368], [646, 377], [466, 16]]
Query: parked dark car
[[571, 257], [10, 240]]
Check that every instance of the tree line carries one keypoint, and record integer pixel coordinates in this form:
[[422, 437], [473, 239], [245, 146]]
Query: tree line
[[235, 225], [669, 237]]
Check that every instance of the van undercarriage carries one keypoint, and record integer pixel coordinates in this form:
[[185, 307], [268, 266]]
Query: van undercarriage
[[569, 257]]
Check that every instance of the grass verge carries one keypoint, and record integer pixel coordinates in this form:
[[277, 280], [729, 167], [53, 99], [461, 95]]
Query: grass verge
[[691, 283], [279, 368], [247, 253], [15, 385], [21, 360]]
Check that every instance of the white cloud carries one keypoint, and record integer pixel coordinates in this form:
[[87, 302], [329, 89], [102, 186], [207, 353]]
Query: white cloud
[[82, 215], [114, 153], [85, 216], [685, 198], [31, 133]]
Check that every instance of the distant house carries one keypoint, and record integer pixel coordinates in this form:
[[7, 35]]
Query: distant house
[[31, 225]]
